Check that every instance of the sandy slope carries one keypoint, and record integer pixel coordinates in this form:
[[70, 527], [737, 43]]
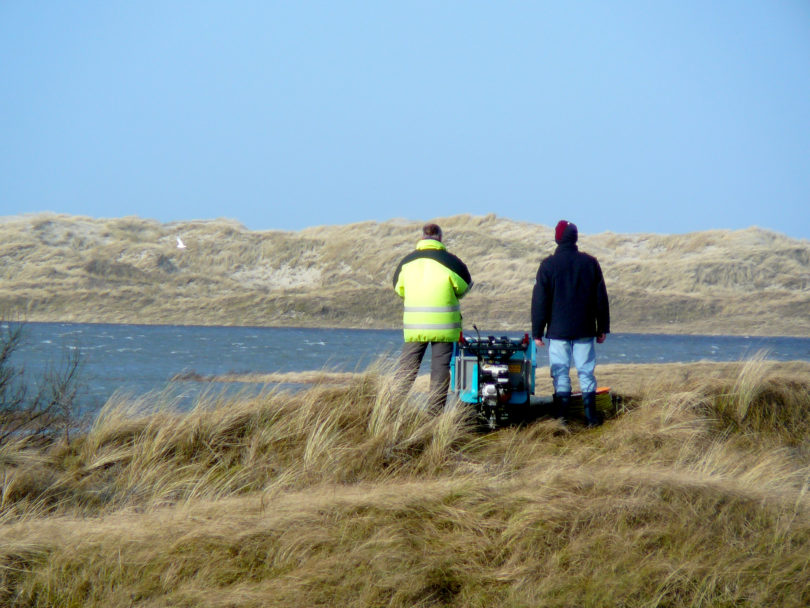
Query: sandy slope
[[129, 270]]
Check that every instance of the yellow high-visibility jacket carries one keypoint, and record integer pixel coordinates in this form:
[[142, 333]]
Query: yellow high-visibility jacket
[[431, 281]]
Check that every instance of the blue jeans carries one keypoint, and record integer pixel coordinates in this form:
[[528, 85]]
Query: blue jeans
[[582, 353]]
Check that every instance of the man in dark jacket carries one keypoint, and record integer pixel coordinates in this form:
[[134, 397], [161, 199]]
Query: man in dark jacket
[[570, 304]]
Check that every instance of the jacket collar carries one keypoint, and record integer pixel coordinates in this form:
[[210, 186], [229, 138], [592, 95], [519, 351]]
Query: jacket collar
[[430, 244]]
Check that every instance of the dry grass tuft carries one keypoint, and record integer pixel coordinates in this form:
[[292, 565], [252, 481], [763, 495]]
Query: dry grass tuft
[[340, 495]]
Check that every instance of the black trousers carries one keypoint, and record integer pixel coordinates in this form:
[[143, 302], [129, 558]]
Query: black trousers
[[408, 368]]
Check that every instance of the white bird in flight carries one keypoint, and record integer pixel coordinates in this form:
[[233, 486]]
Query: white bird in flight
[[180, 243]]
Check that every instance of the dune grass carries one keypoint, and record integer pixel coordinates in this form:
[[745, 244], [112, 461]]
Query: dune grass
[[695, 495]]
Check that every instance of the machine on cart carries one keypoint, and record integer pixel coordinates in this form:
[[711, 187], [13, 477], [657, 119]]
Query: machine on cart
[[495, 376]]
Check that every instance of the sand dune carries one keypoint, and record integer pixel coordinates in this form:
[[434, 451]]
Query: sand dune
[[130, 270]]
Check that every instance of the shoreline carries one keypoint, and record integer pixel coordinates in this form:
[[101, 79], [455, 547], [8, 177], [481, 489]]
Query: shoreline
[[624, 378], [372, 329]]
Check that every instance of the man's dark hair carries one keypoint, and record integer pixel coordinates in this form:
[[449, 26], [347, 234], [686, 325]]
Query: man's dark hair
[[432, 231]]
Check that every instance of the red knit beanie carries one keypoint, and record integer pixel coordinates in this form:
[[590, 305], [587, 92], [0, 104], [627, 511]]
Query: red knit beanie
[[558, 231], [566, 232]]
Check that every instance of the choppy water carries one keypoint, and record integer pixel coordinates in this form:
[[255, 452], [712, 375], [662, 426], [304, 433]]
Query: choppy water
[[137, 359]]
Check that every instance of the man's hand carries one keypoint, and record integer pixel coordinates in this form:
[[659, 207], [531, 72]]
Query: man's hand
[[600, 338], [538, 342]]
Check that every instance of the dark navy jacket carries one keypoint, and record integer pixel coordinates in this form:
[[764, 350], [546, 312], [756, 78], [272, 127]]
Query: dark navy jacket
[[570, 299]]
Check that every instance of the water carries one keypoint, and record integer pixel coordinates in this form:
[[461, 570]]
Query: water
[[137, 359]]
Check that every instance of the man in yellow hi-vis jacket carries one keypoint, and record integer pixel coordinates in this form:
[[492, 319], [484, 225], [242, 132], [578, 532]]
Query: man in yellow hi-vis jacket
[[431, 281]]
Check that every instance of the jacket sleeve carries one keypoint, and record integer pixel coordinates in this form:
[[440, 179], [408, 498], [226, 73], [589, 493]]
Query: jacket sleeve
[[461, 283], [399, 284], [602, 305], [459, 274], [540, 301]]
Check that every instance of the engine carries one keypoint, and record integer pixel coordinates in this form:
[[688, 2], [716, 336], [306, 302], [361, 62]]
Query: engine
[[493, 383], [495, 375]]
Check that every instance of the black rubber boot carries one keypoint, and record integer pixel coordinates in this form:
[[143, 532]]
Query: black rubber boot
[[592, 415], [560, 407]]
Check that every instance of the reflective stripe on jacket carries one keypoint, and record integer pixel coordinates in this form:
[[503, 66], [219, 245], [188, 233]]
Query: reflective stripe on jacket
[[431, 281]]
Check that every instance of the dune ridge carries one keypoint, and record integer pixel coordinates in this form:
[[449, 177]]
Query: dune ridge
[[129, 270]]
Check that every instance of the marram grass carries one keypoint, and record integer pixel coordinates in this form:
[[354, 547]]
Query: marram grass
[[695, 495]]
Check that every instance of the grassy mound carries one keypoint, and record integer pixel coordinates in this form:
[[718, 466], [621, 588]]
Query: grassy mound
[[695, 495]]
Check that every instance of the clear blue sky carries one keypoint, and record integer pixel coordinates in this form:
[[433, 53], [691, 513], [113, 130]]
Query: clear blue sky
[[667, 117]]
